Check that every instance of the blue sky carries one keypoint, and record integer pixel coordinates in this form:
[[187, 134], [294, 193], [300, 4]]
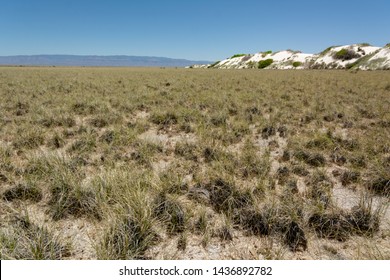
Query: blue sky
[[200, 29]]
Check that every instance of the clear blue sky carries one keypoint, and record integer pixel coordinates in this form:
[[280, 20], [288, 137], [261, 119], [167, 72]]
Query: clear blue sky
[[197, 29]]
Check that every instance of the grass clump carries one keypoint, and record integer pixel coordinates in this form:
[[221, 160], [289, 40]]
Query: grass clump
[[380, 186], [320, 188], [251, 163], [340, 225], [127, 238], [238, 55], [145, 152], [25, 240], [23, 192], [295, 237], [164, 119], [170, 212], [72, 200], [187, 150], [255, 222], [331, 225], [69, 197], [132, 231], [312, 159], [29, 139]]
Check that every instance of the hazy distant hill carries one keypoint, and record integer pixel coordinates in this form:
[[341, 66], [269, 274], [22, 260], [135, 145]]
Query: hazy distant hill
[[356, 56], [94, 60]]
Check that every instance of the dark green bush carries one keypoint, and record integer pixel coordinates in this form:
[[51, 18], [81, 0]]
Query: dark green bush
[[297, 64], [265, 63], [345, 54]]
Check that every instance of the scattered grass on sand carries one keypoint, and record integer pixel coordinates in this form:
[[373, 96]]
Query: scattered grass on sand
[[118, 163]]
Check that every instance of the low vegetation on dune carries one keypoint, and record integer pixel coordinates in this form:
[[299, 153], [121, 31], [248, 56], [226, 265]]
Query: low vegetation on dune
[[114, 163]]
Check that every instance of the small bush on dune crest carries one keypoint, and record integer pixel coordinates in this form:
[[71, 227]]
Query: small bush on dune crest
[[238, 55]]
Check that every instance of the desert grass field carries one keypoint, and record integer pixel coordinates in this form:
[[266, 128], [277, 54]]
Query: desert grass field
[[147, 163]]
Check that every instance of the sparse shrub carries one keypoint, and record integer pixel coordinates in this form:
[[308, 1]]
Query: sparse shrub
[[265, 63], [346, 54], [296, 64]]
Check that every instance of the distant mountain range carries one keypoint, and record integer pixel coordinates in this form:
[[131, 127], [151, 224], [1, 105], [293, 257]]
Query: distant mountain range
[[357, 56], [95, 60]]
